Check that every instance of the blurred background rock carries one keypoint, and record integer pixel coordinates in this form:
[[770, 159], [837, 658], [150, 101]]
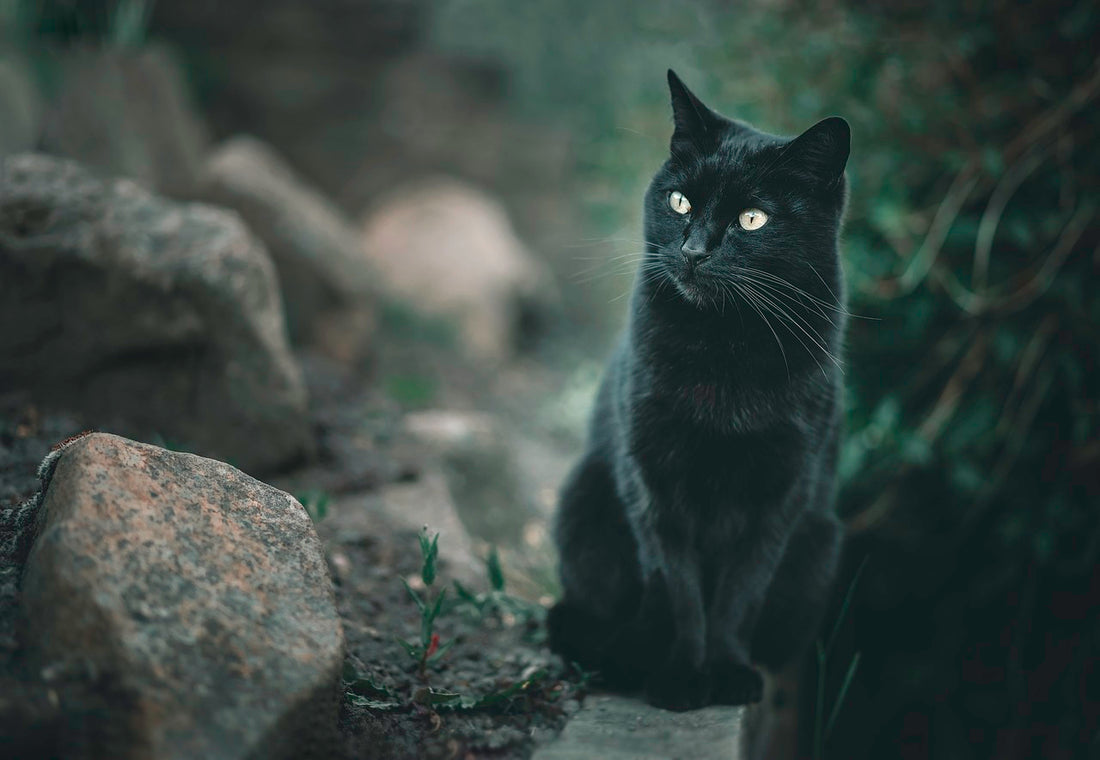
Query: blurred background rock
[[971, 473]]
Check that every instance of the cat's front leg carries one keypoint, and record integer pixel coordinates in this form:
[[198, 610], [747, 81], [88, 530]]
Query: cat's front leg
[[681, 681], [739, 591]]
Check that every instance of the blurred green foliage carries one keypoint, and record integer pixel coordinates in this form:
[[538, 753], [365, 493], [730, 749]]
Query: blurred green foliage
[[971, 473]]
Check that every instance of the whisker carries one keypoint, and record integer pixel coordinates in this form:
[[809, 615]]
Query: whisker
[[794, 299], [752, 302], [783, 320], [791, 319], [780, 281]]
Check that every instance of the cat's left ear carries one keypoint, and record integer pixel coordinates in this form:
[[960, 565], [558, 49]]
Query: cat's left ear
[[821, 152]]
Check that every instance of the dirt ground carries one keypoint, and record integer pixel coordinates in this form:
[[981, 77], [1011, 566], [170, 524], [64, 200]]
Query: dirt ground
[[496, 691], [506, 692], [496, 658]]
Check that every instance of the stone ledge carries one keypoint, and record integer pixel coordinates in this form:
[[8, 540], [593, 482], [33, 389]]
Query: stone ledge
[[611, 727]]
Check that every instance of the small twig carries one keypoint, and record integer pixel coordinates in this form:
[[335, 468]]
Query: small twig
[[1005, 303], [944, 352], [922, 263], [991, 219], [1078, 97], [1029, 359], [1015, 443], [948, 211], [944, 408]]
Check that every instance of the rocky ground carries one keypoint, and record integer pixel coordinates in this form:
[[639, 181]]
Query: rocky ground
[[500, 692], [509, 692], [383, 413], [396, 374]]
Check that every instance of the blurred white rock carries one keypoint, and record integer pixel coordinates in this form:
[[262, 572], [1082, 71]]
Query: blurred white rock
[[449, 250]]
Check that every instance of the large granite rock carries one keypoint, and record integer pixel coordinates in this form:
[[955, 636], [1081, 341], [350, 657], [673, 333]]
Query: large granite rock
[[126, 112], [327, 287], [146, 316], [200, 593], [450, 251]]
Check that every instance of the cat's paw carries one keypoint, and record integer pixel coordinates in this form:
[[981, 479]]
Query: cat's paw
[[733, 683], [677, 688], [568, 629]]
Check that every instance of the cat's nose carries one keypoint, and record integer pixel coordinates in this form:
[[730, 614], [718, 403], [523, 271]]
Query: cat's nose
[[694, 253]]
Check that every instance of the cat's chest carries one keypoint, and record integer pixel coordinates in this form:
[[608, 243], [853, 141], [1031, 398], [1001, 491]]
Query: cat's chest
[[685, 463], [712, 402], [707, 439]]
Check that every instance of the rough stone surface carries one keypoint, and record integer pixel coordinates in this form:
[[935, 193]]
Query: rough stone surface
[[21, 106], [619, 728], [146, 316], [127, 113], [450, 251], [315, 250], [203, 592]]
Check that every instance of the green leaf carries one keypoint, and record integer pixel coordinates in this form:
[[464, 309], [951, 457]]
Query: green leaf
[[842, 694], [844, 608], [413, 650], [415, 597], [429, 550], [364, 685], [429, 696], [373, 704], [496, 575], [503, 695], [467, 596], [438, 605]]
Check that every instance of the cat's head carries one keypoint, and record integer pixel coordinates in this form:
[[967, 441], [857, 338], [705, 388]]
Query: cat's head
[[733, 208]]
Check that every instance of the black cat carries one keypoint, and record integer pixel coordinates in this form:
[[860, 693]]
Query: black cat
[[696, 534]]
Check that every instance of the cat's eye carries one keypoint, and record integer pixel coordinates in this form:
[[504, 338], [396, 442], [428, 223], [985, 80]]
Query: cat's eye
[[679, 202], [752, 219]]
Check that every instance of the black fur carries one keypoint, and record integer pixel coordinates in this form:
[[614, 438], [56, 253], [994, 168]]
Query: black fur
[[697, 535]]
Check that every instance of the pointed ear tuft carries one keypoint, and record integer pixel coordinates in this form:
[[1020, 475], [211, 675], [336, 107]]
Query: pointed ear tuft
[[696, 125], [821, 152]]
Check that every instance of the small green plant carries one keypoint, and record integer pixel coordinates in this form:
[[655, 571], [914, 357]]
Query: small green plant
[[823, 728], [315, 503], [497, 601], [508, 695], [428, 650]]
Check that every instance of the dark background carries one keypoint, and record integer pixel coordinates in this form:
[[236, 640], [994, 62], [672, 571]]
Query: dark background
[[971, 471]]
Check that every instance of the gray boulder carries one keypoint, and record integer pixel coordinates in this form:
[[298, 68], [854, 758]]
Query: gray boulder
[[200, 594], [327, 287], [144, 315], [127, 113]]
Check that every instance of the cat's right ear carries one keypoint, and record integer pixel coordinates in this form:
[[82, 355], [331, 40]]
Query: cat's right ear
[[696, 125]]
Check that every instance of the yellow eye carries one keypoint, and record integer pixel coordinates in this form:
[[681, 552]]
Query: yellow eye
[[679, 202], [752, 219]]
